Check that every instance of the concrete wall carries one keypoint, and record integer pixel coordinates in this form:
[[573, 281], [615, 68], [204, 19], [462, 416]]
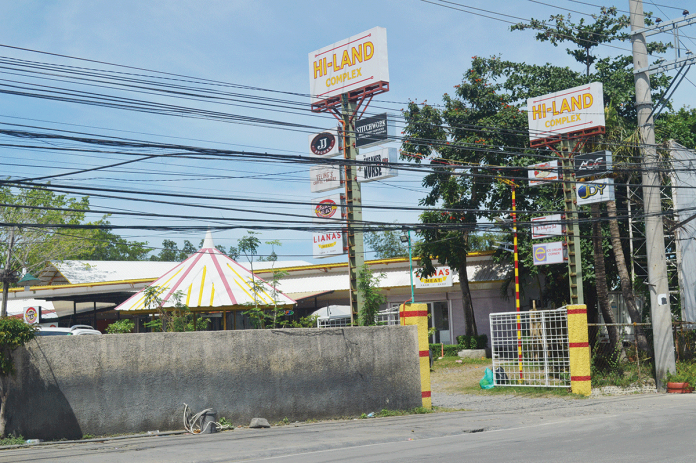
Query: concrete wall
[[70, 386]]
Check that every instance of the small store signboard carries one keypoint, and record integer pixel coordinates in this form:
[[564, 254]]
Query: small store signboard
[[377, 165], [328, 244], [31, 315], [375, 130], [441, 278], [547, 226], [325, 178], [599, 191], [543, 173], [549, 253], [326, 144], [591, 164], [328, 209]]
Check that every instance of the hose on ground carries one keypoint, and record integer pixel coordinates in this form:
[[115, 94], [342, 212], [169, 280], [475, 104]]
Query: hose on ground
[[192, 423]]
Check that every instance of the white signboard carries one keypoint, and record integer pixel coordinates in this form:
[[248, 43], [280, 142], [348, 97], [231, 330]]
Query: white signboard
[[328, 244], [546, 227], [326, 144], [549, 253], [378, 167], [599, 191], [327, 209], [325, 178], [571, 110], [441, 278], [31, 315], [356, 62], [543, 173]]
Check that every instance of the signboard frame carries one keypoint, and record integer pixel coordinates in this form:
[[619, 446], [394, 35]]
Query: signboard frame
[[325, 177], [441, 279], [381, 169], [553, 253], [338, 214], [374, 131], [553, 229], [334, 246], [605, 193], [592, 164]]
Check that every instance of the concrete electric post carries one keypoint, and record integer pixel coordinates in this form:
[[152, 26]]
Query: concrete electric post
[[654, 234]]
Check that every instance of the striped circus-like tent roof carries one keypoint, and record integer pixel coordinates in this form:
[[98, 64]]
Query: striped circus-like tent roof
[[208, 279]]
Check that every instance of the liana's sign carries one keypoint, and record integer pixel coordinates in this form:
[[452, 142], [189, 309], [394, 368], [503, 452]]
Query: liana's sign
[[441, 278], [354, 63], [575, 110], [328, 244], [376, 165]]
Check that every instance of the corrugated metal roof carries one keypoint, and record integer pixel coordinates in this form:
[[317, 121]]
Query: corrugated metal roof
[[92, 271]]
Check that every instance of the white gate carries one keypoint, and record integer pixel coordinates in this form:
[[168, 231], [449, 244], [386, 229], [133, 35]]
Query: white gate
[[530, 348]]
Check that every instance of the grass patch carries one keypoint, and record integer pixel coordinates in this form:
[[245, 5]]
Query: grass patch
[[411, 411], [12, 440], [451, 362]]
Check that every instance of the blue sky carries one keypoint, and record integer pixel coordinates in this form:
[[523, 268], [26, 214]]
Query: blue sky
[[264, 44]]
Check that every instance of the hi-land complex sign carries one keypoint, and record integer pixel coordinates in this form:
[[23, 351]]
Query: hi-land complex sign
[[356, 62], [573, 111]]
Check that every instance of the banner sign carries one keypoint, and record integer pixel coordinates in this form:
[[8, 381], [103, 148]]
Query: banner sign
[[328, 244], [375, 130], [328, 209], [31, 315], [326, 144], [441, 278], [543, 173], [380, 169], [351, 64], [549, 253], [547, 227], [325, 178], [587, 165], [572, 110], [599, 191]]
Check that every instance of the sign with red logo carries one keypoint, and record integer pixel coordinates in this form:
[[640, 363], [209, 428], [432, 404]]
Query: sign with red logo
[[326, 144], [328, 244], [546, 227], [31, 315], [327, 209], [543, 173]]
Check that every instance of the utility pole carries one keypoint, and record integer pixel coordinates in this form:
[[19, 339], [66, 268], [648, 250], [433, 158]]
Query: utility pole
[[577, 295], [356, 254], [7, 274], [654, 234]]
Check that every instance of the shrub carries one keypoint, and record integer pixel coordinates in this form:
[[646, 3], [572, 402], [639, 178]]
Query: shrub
[[121, 326], [472, 342]]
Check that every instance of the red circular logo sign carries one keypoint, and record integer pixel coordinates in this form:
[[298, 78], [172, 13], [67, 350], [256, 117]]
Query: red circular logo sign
[[323, 143], [326, 209], [31, 315]]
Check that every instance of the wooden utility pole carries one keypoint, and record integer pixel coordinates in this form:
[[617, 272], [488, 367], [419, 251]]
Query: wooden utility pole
[[654, 234]]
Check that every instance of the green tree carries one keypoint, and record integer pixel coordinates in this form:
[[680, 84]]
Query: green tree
[[248, 246], [386, 244], [107, 245], [34, 230], [368, 286], [14, 333]]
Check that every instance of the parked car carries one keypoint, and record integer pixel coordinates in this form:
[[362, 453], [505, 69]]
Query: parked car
[[76, 330]]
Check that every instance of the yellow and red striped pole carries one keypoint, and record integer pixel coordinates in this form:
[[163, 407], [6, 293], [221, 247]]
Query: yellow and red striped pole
[[517, 280], [578, 341], [417, 314]]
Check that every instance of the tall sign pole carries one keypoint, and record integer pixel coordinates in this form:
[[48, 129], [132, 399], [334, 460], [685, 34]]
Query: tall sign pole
[[654, 234], [356, 254], [343, 77], [573, 229]]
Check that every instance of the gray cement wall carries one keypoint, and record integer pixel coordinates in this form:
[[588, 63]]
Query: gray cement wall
[[68, 386]]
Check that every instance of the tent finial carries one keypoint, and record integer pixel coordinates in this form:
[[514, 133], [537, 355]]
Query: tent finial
[[208, 242]]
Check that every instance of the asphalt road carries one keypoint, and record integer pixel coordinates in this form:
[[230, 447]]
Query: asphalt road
[[626, 429]]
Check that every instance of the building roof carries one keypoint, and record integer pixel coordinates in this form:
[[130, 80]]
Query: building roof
[[208, 279], [90, 271]]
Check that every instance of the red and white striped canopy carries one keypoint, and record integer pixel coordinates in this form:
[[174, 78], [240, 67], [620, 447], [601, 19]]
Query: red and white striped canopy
[[209, 279]]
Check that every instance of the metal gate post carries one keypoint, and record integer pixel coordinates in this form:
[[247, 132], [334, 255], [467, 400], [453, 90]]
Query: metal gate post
[[417, 314]]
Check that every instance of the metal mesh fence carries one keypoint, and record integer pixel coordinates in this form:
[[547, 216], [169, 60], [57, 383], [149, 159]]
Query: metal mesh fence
[[530, 348]]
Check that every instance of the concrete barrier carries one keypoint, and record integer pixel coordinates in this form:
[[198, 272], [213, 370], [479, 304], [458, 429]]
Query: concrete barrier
[[66, 387]]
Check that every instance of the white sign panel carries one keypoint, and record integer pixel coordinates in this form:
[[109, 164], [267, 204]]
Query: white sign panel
[[325, 178], [546, 227], [548, 253], [31, 315], [351, 64], [326, 144], [327, 209], [378, 167], [441, 278], [599, 191], [543, 173], [567, 111], [328, 244]]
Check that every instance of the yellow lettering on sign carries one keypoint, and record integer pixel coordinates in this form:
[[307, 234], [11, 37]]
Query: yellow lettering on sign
[[345, 61]]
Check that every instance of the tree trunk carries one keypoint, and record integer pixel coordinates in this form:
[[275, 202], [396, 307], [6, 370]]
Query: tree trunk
[[467, 304], [6, 276], [626, 289], [4, 393], [601, 281]]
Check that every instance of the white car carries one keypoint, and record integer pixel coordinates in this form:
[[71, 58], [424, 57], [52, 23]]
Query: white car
[[76, 330]]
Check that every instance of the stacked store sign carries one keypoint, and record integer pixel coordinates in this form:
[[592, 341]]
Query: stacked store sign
[[591, 165]]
